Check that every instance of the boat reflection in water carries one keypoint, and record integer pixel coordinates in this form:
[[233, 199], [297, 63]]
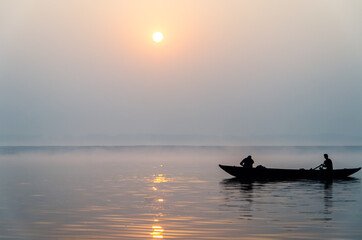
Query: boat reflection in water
[[239, 193], [328, 199], [290, 206]]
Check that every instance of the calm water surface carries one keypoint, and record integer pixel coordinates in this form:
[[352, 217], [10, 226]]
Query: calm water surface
[[173, 193]]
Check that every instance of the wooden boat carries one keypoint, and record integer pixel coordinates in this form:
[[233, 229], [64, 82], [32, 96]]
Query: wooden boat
[[275, 173]]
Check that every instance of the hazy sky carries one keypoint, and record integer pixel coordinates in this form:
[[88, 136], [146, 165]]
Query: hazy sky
[[248, 69]]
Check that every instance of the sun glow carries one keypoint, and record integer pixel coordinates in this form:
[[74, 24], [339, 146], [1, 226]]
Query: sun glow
[[157, 37]]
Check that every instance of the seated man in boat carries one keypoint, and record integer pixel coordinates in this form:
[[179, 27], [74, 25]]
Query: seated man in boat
[[247, 162], [327, 164]]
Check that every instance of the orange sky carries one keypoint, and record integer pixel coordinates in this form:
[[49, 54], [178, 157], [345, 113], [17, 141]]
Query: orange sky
[[241, 68]]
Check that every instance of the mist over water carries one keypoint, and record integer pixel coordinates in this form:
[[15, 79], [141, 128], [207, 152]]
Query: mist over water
[[86, 73], [173, 193]]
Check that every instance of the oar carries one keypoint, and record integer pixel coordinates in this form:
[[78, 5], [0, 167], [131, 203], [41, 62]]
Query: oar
[[317, 166]]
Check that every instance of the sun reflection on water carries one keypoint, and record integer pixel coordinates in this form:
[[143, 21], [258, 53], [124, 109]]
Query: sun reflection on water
[[157, 228], [157, 231], [159, 179]]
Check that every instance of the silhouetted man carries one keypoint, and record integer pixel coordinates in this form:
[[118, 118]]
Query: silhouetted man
[[327, 164], [247, 162]]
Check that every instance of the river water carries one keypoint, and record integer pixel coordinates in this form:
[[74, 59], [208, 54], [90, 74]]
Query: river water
[[147, 192]]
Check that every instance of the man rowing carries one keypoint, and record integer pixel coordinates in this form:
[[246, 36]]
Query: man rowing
[[327, 164]]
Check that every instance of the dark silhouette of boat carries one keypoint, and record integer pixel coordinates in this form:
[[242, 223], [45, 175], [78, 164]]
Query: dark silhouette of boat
[[276, 173]]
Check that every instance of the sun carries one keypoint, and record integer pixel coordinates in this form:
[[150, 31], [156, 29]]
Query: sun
[[157, 37]]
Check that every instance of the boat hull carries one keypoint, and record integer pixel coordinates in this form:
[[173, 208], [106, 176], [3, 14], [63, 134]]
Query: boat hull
[[275, 173]]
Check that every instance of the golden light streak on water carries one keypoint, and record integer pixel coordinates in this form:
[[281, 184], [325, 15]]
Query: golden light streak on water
[[157, 231], [160, 179]]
